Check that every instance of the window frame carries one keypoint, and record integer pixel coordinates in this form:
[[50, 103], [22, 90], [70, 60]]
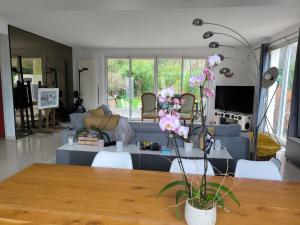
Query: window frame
[[284, 85], [155, 58]]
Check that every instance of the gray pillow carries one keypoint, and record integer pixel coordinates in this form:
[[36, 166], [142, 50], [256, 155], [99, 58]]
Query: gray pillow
[[106, 110]]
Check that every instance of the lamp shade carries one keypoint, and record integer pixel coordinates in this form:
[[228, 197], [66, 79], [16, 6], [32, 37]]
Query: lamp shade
[[208, 34], [269, 77], [222, 57], [214, 44], [198, 22], [228, 75], [224, 70]]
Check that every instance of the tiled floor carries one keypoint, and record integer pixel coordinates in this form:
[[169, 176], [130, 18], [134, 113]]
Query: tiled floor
[[17, 155]]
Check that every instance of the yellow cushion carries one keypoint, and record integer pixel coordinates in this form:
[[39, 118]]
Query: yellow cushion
[[266, 145], [107, 123], [97, 112]]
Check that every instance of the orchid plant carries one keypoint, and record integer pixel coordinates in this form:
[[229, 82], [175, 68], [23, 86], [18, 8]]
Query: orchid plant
[[169, 113], [204, 195]]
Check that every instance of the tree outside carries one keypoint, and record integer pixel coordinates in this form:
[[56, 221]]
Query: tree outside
[[141, 80]]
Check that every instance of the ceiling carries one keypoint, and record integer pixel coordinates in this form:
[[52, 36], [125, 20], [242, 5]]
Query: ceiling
[[147, 23]]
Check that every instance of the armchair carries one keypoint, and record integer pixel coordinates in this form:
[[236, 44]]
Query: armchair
[[187, 109], [149, 109]]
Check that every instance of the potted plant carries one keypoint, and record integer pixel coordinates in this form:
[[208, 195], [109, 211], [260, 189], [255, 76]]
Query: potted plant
[[201, 197]]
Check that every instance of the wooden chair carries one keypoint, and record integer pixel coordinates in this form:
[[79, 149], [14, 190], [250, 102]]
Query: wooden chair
[[187, 109], [149, 109]]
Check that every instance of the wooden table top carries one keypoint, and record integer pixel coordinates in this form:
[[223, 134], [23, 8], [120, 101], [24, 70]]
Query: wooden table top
[[47, 194]]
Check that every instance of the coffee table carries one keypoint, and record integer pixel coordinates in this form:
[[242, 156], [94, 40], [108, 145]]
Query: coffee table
[[142, 159]]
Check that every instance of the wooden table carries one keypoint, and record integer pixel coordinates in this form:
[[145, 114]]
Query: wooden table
[[56, 194]]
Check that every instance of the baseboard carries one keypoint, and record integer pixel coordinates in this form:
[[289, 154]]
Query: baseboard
[[11, 138]]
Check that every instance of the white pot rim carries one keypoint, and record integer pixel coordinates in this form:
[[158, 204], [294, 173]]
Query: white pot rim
[[212, 208]]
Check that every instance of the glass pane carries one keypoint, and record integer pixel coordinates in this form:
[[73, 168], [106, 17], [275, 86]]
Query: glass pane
[[191, 67], [289, 86], [118, 86], [32, 70], [142, 72], [277, 60], [169, 74]]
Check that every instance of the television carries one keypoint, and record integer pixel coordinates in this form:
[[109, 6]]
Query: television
[[235, 98]]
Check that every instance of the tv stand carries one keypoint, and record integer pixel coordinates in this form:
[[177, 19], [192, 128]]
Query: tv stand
[[224, 117]]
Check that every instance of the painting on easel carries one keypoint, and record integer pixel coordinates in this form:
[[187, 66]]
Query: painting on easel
[[48, 98]]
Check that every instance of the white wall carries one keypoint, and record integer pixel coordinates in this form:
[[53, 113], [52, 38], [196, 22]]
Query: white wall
[[8, 106], [243, 71]]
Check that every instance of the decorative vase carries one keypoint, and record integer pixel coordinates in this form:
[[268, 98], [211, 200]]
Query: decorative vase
[[194, 216], [188, 146], [171, 141]]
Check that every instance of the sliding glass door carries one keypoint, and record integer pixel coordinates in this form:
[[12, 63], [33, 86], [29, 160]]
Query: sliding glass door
[[128, 78], [279, 111], [169, 73], [142, 76], [118, 86]]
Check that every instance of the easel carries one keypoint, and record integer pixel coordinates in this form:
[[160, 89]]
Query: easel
[[23, 99], [47, 115]]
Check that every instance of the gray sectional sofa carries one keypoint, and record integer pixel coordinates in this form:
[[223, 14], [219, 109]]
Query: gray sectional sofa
[[236, 142]]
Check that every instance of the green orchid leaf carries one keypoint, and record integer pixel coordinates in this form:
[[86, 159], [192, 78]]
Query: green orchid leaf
[[219, 200], [179, 194], [224, 189], [171, 185]]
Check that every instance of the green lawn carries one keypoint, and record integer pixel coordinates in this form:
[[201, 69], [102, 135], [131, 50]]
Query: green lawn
[[124, 103]]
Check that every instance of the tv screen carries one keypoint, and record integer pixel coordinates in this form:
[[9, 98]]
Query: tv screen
[[235, 98]]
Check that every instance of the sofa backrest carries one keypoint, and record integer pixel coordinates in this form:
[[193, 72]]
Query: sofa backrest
[[232, 130]]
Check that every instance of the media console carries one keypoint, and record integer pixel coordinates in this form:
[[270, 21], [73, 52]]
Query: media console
[[244, 120]]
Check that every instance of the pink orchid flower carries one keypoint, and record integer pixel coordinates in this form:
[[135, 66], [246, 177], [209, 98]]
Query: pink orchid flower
[[176, 101], [167, 92], [169, 122], [213, 61], [196, 80], [161, 113], [208, 92], [183, 131], [208, 73]]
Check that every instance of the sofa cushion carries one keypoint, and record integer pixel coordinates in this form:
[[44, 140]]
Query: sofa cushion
[[101, 122], [97, 112], [145, 127], [232, 130]]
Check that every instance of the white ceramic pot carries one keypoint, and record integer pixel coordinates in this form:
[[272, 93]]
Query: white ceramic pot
[[188, 146], [194, 216]]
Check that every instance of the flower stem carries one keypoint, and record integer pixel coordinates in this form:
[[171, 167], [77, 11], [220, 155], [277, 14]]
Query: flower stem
[[203, 136]]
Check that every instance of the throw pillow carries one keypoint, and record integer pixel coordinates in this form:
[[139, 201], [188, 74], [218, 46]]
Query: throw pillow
[[106, 110], [97, 112], [106, 123]]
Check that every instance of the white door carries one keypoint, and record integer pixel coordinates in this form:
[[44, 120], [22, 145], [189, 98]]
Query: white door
[[88, 84]]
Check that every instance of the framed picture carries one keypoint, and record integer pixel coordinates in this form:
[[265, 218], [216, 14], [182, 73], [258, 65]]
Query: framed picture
[[48, 98]]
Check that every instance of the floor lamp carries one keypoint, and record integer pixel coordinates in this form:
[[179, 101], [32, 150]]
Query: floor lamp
[[268, 78]]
